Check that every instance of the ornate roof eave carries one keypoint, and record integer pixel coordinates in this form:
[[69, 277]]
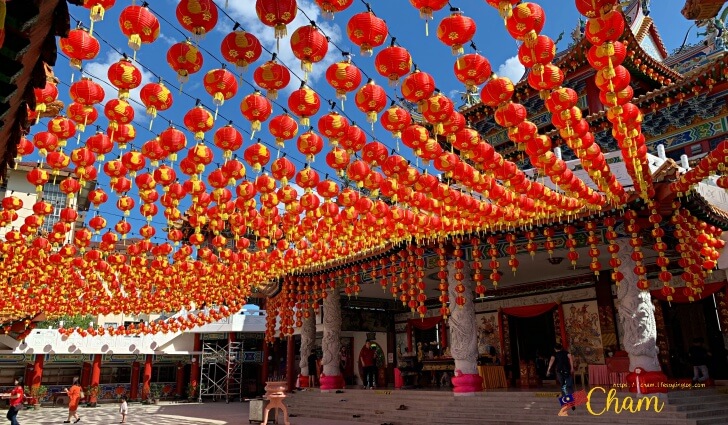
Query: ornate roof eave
[[695, 10], [684, 84], [575, 59]]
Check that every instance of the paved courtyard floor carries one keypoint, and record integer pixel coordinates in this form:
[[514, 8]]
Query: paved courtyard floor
[[210, 413]]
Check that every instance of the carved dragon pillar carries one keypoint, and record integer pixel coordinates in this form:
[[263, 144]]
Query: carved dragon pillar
[[636, 314], [331, 378], [308, 343], [463, 335]]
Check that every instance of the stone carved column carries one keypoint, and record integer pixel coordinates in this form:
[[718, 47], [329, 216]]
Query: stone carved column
[[636, 314], [331, 378], [308, 343], [463, 335]]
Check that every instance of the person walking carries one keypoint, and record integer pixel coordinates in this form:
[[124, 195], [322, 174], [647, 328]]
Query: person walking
[[75, 394], [699, 359], [312, 368], [17, 395], [563, 364], [123, 409], [366, 360]]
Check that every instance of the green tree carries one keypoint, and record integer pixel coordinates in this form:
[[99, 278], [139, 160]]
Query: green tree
[[80, 321]]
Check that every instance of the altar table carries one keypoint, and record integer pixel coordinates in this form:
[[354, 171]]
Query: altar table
[[493, 376]]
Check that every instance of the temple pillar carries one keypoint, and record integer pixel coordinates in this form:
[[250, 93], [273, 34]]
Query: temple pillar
[[196, 365], [636, 314], [331, 378], [37, 375], [85, 374], [180, 380], [95, 379], [264, 368], [291, 362], [308, 344], [134, 392], [463, 335], [147, 377]]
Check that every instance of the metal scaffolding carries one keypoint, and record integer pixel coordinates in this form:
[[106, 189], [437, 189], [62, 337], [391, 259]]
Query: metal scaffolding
[[221, 373]]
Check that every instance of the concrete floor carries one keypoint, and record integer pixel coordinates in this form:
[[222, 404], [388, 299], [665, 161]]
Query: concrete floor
[[209, 413]]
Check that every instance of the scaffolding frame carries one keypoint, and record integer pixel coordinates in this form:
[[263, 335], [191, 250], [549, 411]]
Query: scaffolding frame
[[221, 370]]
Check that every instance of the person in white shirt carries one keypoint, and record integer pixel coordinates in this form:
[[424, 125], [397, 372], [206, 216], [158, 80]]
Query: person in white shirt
[[123, 409]]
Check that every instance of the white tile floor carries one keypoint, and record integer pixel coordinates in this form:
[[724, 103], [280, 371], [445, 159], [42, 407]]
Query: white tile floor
[[164, 413]]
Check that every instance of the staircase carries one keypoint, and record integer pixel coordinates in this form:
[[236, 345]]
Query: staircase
[[696, 407]]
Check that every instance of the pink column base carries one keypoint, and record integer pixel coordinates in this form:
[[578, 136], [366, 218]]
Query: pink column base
[[333, 382], [470, 383], [649, 382]]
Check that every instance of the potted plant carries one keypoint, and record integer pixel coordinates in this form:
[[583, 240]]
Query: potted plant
[[155, 392], [36, 393], [192, 390], [92, 395]]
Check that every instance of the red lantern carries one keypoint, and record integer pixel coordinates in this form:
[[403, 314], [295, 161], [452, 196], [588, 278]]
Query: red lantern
[[606, 28], [198, 16], [358, 171], [133, 160], [426, 7], [185, 59], [343, 76], [307, 178], [367, 31], [540, 53], [118, 112], [606, 55], [241, 48], [418, 86], [171, 141], [121, 134], [393, 62], [309, 45], [472, 70], [100, 144], [437, 109], [498, 90], [510, 115], [257, 156], [283, 128], [354, 140], [310, 144], [45, 141], [25, 147], [228, 139], [124, 76], [594, 8], [547, 77], [337, 159], [371, 99], [304, 103], [221, 84], [156, 97], [80, 46], [395, 119], [272, 77], [255, 108], [37, 177], [526, 22], [97, 9], [276, 14], [199, 120], [57, 161], [330, 7], [283, 170], [374, 153], [84, 91], [139, 25], [455, 31], [333, 126], [82, 115], [63, 128], [98, 197]]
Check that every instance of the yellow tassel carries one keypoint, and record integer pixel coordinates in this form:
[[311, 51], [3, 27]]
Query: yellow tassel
[[135, 42]]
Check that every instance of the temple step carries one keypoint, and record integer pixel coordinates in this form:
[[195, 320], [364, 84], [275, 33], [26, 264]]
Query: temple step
[[699, 407]]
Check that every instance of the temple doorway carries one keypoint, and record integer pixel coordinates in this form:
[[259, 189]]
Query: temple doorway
[[686, 321], [530, 337]]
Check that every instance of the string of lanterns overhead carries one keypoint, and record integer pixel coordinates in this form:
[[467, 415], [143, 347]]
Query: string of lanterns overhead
[[279, 234]]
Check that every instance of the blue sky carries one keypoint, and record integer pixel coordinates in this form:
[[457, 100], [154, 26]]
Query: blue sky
[[404, 23]]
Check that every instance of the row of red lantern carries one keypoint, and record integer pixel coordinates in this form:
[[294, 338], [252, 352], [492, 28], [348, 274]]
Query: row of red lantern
[[713, 162], [603, 30], [538, 52]]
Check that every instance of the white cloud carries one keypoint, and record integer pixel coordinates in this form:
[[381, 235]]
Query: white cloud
[[98, 71], [512, 69], [244, 12], [169, 40]]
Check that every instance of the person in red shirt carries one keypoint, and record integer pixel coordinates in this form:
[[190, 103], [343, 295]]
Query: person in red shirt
[[17, 395], [366, 360], [74, 398]]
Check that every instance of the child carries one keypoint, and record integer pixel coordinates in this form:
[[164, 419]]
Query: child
[[123, 409]]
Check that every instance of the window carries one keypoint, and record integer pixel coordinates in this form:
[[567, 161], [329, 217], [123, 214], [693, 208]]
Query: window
[[696, 149], [115, 375], [164, 373], [9, 373], [62, 375], [53, 195]]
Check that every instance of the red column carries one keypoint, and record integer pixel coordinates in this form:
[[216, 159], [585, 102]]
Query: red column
[[85, 374], [147, 377], [562, 328], [501, 338], [195, 367], [95, 377], [291, 363], [180, 391], [264, 368], [134, 394], [37, 375]]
